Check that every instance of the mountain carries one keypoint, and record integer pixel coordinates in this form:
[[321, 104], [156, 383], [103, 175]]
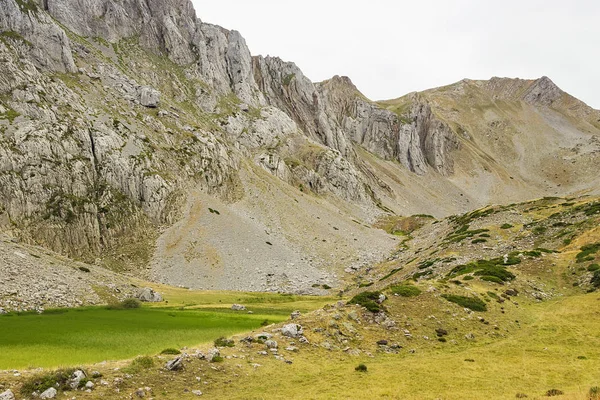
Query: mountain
[[139, 138]]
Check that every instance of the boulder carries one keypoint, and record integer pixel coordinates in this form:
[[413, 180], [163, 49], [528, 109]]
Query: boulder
[[295, 315], [213, 354], [7, 395], [238, 307], [76, 378], [49, 394], [149, 295], [271, 344], [292, 330], [148, 96], [175, 364]]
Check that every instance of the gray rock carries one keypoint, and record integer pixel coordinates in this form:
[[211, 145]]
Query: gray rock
[[175, 364], [76, 378], [295, 314], [292, 330], [89, 385], [197, 392], [213, 354], [149, 295], [238, 307], [7, 395], [148, 96], [49, 393], [271, 344]]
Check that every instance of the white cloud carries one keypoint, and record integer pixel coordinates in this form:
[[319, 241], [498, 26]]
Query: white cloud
[[389, 48]]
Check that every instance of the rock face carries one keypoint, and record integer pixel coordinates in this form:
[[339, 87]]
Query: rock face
[[113, 112]]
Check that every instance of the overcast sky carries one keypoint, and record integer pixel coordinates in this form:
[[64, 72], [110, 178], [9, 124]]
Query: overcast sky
[[390, 48]]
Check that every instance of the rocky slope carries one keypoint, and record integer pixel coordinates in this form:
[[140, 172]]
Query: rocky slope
[[118, 118]]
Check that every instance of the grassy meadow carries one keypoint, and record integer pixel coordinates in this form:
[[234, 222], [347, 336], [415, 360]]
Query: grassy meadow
[[69, 337]]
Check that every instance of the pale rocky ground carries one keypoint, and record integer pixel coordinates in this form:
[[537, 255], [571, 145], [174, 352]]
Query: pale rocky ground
[[34, 278]]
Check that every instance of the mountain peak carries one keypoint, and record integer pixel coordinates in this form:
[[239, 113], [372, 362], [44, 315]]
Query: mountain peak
[[542, 92]]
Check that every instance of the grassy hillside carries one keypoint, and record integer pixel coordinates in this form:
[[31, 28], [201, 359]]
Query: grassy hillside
[[499, 303]]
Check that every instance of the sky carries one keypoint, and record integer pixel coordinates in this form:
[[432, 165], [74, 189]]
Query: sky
[[390, 48]]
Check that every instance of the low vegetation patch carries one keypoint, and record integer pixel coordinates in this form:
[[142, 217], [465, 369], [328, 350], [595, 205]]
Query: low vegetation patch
[[171, 351], [493, 270], [405, 290], [58, 379], [472, 303], [127, 304], [554, 392], [587, 252], [361, 368], [139, 364], [368, 300], [506, 226], [594, 393]]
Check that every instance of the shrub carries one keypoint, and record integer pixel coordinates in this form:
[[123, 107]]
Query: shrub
[[554, 392], [361, 368], [472, 303], [365, 284], [468, 278], [405, 290], [521, 396], [223, 342], [586, 252], [506, 226], [84, 269], [139, 364], [131, 303], [217, 359], [170, 351], [476, 241], [593, 267], [539, 230], [368, 300], [265, 322], [594, 393], [326, 286], [490, 278]]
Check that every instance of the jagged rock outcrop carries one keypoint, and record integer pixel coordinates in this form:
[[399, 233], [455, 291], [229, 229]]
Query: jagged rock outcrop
[[417, 139], [543, 91]]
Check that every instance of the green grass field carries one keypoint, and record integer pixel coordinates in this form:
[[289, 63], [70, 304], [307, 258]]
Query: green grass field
[[88, 335]]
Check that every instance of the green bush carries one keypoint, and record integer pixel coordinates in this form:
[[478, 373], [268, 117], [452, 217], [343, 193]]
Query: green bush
[[506, 226], [368, 300], [170, 351], [494, 279], [405, 290], [494, 267], [477, 241], [217, 359], [139, 364], [472, 303], [594, 393], [593, 267], [131, 303], [587, 251], [223, 342], [84, 269], [361, 368]]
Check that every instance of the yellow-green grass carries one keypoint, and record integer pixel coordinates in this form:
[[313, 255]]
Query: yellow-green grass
[[559, 349], [88, 335]]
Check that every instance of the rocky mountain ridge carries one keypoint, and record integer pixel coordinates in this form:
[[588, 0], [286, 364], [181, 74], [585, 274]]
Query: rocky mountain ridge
[[116, 114]]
